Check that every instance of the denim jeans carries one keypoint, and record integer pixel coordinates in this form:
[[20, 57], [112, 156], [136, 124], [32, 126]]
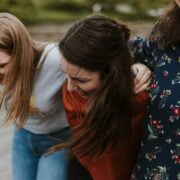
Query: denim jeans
[[29, 161]]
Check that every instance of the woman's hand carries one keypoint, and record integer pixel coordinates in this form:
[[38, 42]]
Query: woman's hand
[[142, 77]]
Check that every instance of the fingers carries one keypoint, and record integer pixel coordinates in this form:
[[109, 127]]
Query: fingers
[[134, 69], [143, 87], [142, 79]]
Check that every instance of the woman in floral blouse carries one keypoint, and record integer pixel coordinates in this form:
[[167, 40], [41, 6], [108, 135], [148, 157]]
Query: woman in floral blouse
[[159, 157]]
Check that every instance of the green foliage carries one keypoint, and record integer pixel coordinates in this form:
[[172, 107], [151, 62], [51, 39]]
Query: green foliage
[[23, 9], [66, 6], [33, 11], [3, 5], [58, 16]]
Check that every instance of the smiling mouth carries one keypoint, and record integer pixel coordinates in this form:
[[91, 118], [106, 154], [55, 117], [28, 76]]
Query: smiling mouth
[[83, 93]]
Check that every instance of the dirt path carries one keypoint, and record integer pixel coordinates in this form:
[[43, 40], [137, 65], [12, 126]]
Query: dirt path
[[47, 32]]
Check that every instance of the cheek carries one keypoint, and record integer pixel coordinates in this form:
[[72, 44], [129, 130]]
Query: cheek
[[90, 86], [96, 84], [3, 71]]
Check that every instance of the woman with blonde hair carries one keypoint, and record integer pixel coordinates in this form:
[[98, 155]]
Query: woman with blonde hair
[[31, 77]]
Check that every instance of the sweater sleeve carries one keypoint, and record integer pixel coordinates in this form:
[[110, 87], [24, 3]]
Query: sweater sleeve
[[143, 50]]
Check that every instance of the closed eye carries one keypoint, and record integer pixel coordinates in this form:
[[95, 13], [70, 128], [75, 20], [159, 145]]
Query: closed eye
[[3, 65], [80, 80]]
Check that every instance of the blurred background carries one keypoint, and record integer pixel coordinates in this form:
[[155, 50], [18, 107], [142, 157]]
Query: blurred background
[[38, 11], [48, 20]]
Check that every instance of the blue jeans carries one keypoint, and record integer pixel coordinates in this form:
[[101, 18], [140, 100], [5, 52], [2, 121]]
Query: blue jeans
[[29, 161]]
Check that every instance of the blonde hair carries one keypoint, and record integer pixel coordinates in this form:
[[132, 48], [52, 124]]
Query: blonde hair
[[18, 83]]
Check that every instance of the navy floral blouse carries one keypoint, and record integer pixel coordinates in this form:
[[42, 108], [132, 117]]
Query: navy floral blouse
[[159, 157]]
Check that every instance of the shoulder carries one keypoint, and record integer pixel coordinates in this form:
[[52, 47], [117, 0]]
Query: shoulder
[[52, 50], [50, 62], [50, 58], [52, 54]]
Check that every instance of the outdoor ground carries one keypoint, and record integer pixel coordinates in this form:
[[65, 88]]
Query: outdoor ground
[[46, 32]]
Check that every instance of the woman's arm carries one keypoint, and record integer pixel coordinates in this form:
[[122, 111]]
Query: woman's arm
[[142, 51]]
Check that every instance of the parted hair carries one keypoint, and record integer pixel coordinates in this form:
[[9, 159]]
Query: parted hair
[[99, 44]]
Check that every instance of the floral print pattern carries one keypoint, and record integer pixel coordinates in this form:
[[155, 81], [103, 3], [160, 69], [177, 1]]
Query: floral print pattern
[[159, 157]]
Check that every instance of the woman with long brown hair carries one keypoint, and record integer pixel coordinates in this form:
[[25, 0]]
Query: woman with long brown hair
[[31, 78], [98, 96], [159, 156]]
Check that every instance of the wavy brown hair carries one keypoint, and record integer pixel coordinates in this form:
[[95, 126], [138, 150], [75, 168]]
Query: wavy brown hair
[[167, 30], [18, 82], [99, 44]]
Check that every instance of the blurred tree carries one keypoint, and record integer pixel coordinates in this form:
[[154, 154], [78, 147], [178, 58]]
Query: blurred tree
[[3, 5], [26, 10], [23, 9], [70, 5], [13, 2], [106, 5], [104, 1], [142, 6]]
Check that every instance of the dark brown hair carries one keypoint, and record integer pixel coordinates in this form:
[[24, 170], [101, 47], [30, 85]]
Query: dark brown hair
[[167, 30], [99, 44]]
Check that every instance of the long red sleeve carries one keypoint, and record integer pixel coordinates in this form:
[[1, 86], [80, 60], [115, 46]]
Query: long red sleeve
[[118, 163]]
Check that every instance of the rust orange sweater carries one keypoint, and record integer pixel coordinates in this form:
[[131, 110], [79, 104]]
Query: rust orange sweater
[[118, 163]]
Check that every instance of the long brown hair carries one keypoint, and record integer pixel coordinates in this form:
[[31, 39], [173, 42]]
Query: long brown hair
[[18, 82], [167, 30], [99, 44]]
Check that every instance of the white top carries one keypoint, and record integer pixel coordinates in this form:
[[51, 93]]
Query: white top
[[47, 114]]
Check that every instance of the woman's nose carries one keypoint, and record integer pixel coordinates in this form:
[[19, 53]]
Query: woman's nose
[[71, 86]]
